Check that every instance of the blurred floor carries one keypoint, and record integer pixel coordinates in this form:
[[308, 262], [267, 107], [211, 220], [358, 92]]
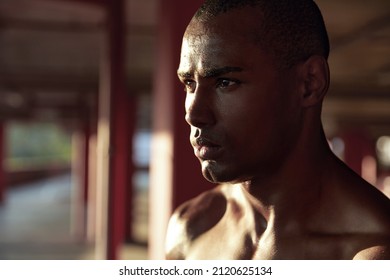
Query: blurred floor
[[35, 223]]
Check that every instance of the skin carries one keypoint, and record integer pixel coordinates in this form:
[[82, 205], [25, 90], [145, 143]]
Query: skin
[[256, 130]]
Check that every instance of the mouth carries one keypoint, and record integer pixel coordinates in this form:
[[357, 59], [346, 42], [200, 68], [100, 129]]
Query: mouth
[[205, 149]]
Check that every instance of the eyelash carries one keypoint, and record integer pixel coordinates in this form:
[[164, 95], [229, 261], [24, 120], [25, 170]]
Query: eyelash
[[230, 82], [190, 85]]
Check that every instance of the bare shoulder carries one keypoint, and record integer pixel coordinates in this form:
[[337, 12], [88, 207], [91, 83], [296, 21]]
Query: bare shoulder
[[193, 218], [364, 207], [373, 207], [368, 214], [377, 226], [379, 252]]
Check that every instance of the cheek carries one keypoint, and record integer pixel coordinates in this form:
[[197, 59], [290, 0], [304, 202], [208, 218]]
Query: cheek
[[248, 111], [247, 125], [254, 124]]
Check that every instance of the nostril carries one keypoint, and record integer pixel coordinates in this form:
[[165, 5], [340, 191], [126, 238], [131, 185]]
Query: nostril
[[197, 133]]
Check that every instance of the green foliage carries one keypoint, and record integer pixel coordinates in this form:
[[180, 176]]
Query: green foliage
[[37, 144]]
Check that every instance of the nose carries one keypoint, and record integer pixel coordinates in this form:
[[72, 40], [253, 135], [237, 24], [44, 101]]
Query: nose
[[199, 109]]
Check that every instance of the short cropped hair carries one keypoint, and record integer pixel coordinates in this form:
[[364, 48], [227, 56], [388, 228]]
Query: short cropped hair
[[291, 30]]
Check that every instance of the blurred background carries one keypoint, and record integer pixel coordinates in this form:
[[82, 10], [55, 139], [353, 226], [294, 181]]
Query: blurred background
[[94, 152]]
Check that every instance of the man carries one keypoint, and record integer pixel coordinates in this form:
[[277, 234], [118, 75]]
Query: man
[[255, 74]]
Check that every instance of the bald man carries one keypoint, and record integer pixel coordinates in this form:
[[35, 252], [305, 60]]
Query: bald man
[[255, 74]]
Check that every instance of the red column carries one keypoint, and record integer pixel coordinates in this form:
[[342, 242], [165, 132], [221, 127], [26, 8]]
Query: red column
[[2, 156], [175, 173], [122, 120]]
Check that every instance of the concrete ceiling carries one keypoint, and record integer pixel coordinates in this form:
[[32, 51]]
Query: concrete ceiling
[[360, 65], [50, 50], [50, 53]]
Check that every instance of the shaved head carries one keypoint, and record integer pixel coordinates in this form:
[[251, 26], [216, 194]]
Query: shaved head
[[290, 30]]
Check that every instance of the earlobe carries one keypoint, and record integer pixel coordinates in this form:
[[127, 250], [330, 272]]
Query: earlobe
[[315, 71]]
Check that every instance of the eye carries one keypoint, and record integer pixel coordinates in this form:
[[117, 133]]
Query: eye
[[225, 83], [189, 86]]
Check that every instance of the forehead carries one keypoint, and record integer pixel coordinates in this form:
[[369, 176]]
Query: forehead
[[240, 20], [221, 41]]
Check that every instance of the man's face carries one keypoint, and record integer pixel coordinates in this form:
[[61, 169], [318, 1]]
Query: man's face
[[243, 112]]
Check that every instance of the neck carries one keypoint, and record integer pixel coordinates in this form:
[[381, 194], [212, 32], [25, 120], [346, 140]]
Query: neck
[[299, 181]]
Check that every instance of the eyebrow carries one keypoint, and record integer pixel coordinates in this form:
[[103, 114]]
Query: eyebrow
[[212, 72]]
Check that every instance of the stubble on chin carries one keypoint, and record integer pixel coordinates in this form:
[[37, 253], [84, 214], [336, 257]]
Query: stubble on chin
[[210, 171], [215, 173]]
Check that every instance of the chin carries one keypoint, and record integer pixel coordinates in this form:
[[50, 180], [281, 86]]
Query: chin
[[215, 173]]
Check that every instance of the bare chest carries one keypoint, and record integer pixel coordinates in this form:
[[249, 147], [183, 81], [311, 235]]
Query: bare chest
[[244, 240]]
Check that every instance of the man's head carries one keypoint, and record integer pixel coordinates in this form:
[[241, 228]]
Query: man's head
[[291, 30], [253, 88]]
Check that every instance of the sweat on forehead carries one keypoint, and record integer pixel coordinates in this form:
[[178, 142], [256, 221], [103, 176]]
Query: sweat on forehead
[[291, 30]]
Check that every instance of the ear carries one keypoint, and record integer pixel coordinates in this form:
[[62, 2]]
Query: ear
[[315, 78]]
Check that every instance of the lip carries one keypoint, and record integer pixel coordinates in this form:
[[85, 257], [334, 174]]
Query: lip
[[205, 149]]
